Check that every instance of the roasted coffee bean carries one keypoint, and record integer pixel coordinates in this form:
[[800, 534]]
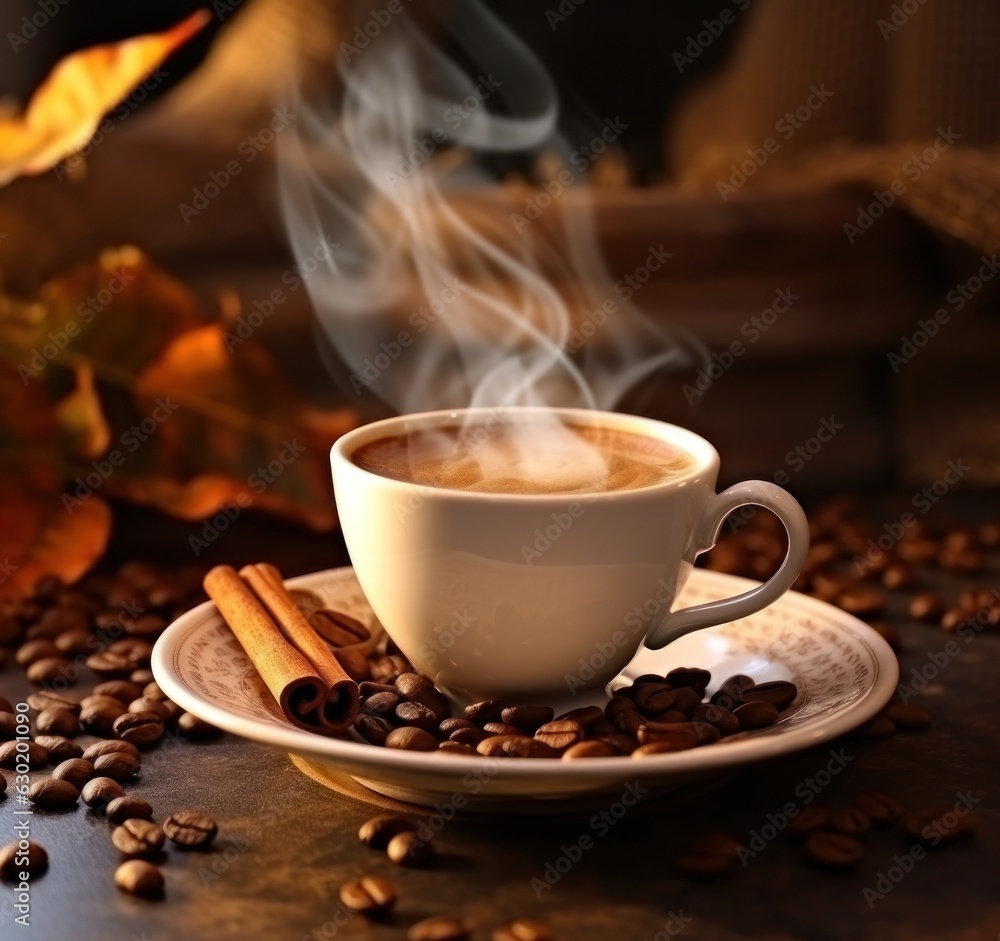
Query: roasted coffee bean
[[52, 670], [560, 734], [710, 856], [962, 561], [109, 665], [617, 705], [95, 751], [457, 748], [622, 743], [370, 895], [56, 621], [190, 829], [152, 691], [120, 690], [141, 729], [42, 699], [630, 722], [439, 928], [141, 878], [415, 715], [138, 837], [14, 859], [663, 745], [129, 807], [527, 718], [589, 749], [879, 726], [118, 766], [917, 550], [420, 690], [686, 700], [654, 700], [34, 650], [453, 724], [897, 576], [954, 617], [863, 602], [925, 607], [60, 749], [98, 714], [145, 626], [515, 746], [57, 721], [681, 735], [808, 820], [834, 850], [77, 771], [936, 826], [373, 729], [850, 820], [908, 716], [779, 693], [488, 710], [338, 629], [368, 688], [387, 668], [410, 738], [357, 667], [74, 643], [722, 719], [693, 677], [728, 694], [381, 704], [97, 793], [53, 794], [162, 709], [880, 808], [8, 726], [192, 727], [407, 849], [755, 715], [135, 649], [378, 831], [502, 728], [471, 736], [586, 716], [524, 929], [37, 756]]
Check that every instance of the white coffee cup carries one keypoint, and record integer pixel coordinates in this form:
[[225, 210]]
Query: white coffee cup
[[459, 583]]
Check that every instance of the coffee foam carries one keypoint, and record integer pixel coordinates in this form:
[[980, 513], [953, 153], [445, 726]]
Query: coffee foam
[[525, 458]]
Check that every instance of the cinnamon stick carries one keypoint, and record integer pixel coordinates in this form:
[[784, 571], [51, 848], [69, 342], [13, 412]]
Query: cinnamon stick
[[309, 685]]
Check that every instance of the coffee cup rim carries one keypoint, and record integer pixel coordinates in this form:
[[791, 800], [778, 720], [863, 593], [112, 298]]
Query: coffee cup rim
[[705, 455]]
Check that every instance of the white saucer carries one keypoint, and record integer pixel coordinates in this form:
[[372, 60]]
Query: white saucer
[[844, 671]]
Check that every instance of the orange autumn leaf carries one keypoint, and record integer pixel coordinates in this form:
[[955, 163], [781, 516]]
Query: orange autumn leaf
[[64, 112]]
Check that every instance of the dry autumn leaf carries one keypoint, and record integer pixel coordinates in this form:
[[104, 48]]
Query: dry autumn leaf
[[64, 112]]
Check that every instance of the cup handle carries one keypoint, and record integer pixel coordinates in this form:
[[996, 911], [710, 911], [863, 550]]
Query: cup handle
[[786, 508]]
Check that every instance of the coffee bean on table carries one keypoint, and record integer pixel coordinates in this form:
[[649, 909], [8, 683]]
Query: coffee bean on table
[[835, 850], [850, 820], [42, 699], [191, 726], [8, 726], [77, 771], [589, 749], [879, 726], [52, 670], [33, 650], [439, 928], [129, 807], [881, 809], [937, 826], [141, 729], [370, 895], [586, 716], [524, 929], [560, 733], [407, 849], [779, 693], [119, 766], [53, 794], [709, 856], [925, 607], [97, 793], [908, 716], [57, 721], [807, 821], [152, 691], [527, 718], [410, 738], [36, 755], [14, 860], [693, 677], [898, 575], [98, 714], [190, 829], [95, 751], [755, 715], [378, 831], [863, 602], [415, 715], [141, 878], [137, 837], [162, 709], [488, 710]]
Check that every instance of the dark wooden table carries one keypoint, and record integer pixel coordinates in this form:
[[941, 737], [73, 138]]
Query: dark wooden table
[[287, 842]]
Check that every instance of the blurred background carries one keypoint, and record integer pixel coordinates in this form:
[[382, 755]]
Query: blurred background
[[799, 198]]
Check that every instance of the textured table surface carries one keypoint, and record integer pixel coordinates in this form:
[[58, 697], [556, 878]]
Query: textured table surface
[[286, 842]]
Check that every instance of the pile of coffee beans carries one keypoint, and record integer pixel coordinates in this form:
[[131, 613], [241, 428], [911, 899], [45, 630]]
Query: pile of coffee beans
[[100, 632]]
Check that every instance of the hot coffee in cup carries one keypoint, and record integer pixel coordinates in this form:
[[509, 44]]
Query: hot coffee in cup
[[503, 548]]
